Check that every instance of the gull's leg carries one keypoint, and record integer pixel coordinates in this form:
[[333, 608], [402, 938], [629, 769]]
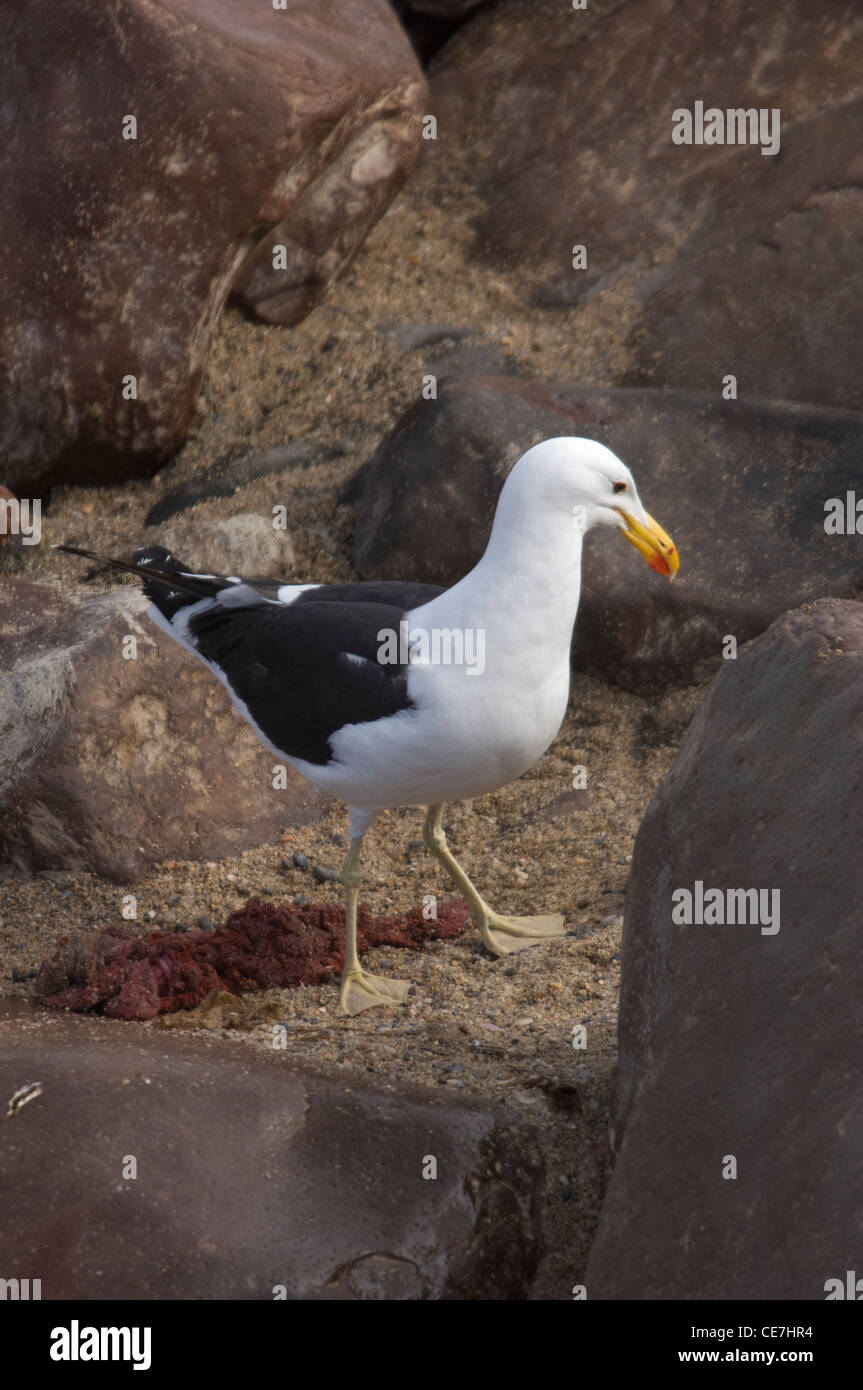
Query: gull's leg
[[361, 991], [500, 935]]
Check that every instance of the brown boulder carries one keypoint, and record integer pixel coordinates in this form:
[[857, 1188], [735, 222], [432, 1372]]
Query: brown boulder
[[736, 1042], [254, 1180], [255, 127], [111, 764]]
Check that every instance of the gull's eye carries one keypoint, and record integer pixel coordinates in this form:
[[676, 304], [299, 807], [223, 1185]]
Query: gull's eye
[[619, 487]]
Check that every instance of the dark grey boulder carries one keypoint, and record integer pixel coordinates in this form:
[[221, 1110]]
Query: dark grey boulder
[[781, 311], [736, 1042]]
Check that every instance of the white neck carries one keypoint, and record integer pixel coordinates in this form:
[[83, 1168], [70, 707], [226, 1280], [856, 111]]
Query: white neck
[[527, 583]]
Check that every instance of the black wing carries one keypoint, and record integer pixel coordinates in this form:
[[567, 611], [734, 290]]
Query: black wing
[[306, 669]]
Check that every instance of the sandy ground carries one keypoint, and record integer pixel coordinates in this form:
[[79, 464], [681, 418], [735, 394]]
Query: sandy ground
[[497, 1030]]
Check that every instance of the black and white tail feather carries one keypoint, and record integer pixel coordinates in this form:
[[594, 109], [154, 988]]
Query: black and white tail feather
[[162, 576], [300, 660]]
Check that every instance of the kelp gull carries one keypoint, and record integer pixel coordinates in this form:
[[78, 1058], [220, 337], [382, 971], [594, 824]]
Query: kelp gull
[[377, 692]]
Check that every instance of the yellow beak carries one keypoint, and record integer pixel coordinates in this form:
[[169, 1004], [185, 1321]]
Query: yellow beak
[[656, 545]]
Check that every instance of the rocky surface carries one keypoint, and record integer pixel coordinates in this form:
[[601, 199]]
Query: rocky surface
[[740, 485], [314, 128], [736, 1042], [111, 763], [562, 125], [252, 1179]]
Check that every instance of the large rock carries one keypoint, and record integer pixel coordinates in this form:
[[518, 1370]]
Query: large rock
[[256, 128], [740, 485], [776, 311], [253, 1180], [746, 264], [736, 1041], [111, 764]]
